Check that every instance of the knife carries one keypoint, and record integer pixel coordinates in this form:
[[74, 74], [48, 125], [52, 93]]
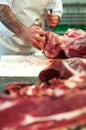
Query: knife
[[51, 10], [50, 28]]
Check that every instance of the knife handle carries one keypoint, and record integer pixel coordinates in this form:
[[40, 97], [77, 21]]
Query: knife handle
[[51, 11]]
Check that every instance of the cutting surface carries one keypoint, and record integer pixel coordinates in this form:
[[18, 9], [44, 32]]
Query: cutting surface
[[22, 65]]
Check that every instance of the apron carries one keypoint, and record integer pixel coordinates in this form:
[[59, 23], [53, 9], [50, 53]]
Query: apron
[[29, 12]]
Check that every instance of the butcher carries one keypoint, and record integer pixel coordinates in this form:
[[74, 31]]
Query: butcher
[[21, 26]]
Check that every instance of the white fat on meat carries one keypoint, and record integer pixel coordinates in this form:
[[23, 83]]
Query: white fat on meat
[[68, 115], [79, 70], [7, 105], [75, 81], [29, 91]]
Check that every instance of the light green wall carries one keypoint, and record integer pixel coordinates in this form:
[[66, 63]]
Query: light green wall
[[74, 6], [74, 1], [74, 16]]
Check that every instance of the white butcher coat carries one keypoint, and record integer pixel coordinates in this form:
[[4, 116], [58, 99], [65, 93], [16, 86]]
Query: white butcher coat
[[29, 12]]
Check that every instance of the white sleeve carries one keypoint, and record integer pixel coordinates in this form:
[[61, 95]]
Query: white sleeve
[[6, 2], [58, 8]]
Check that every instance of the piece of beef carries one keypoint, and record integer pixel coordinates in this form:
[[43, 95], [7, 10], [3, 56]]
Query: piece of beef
[[21, 89], [74, 43], [52, 47], [53, 88], [46, 112], [74, 33], [27, 113], [71, 44], [63, 68], [14, 87]]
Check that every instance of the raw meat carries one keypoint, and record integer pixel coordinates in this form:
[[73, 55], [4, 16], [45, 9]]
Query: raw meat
[[53, 88], [63, 68], [64, 109], [52, 47], [74, 33], [21, 89], [71, 44], [14, 87], [74, 43]]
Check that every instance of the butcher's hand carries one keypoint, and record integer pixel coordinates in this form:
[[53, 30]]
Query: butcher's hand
[[52, 19], [34, 36]]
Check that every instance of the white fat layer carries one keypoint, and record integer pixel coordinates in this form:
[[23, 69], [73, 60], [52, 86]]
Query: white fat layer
[[29, 91], [73, 81], [72, 70], [69, 68], [7, 105], [68, 115]]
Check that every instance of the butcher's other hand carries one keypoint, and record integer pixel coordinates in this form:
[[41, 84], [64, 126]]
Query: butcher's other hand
[[34, 36], [52, 19]]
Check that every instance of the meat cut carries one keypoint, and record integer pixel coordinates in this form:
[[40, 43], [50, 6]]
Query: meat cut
[[52, 47], [53, 104], [34, 112], [53, 88], [71, 44], [74, 43], [63, 68]]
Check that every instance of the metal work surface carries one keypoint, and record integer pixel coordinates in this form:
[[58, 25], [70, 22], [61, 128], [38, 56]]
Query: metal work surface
[[6, 80]]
